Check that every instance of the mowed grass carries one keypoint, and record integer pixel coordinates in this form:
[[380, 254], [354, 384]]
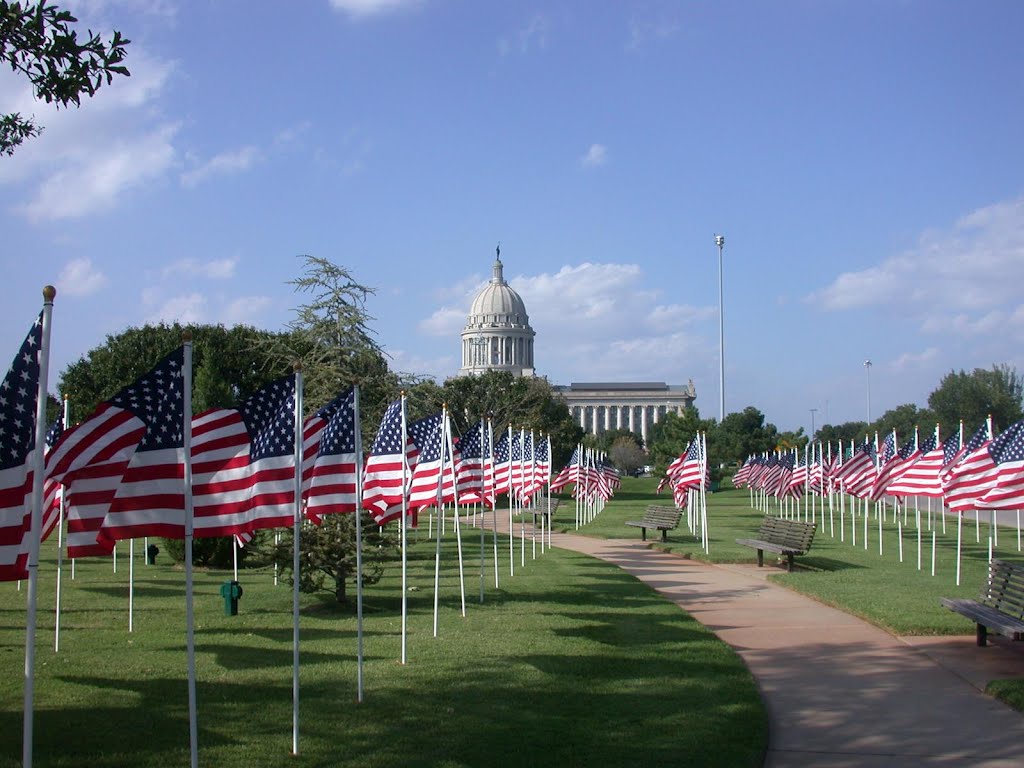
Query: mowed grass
[[569, 662], [877, 587]]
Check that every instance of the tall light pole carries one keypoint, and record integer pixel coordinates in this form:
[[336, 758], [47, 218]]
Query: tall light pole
[[813, 411], [867, 365], [720, 242]]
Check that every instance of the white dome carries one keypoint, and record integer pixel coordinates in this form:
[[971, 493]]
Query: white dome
[[497, 336], [498, 304]]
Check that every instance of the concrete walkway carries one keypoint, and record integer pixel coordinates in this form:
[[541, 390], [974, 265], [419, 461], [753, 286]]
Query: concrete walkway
[[839, 691]]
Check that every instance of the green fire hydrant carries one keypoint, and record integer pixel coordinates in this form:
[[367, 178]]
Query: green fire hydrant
[[231, 591]]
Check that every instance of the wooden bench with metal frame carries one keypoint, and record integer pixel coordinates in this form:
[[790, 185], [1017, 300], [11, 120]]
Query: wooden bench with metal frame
[[782, 536], [1000, 607], [657, 517]]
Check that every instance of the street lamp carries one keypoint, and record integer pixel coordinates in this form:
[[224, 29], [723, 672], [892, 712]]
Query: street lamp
[[720, 242], [867, 365]]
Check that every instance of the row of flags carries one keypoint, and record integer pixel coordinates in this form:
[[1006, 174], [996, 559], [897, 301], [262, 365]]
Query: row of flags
[[590, 473], [688, 471], [122, 470], [981, 472]]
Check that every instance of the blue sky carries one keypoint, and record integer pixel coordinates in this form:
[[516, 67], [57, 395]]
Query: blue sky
[[862, 159]]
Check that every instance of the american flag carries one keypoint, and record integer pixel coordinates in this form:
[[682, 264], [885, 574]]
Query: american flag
[[858, 472], [19, 395], [243, 463], [516, 454], [386, 472], [568, 472], [889, 460], [919, 476], [329, 484], [149, 499], [51, 489], [434, 467], [470, 467], [797, 486], [689, 474], [1006, 490], [971, 475], [92, 457], [501, 464], [743, 473], [542, 462]]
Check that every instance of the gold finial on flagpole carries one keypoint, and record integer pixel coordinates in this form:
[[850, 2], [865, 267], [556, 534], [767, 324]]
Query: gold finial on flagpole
[[49, 292]]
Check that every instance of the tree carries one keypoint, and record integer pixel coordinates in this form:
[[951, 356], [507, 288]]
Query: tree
[[37, 40], [523, 401], [903, 419], [331, 337], [626, 454], [670, 436], [974, 396], [744, 433], [609, 437], [327, 560], [844, 433]]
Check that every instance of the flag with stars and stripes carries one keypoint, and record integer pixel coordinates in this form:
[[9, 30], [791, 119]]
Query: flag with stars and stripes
[[243, 463], [469, 468], [971, 473], [149, 499], [387, 467], [569, 473], [51, 489], [329, 482], [920, 476], [19, 395], [501, 464], [433, 467], [92, 457], [1006, 488]]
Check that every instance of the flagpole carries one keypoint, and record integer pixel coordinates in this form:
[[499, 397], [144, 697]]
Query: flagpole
[[38, 467], [296, 552], [190, 633], [493, 498], [358, 441], [60, 546], [405, 538], [455, 504], [511, 529]]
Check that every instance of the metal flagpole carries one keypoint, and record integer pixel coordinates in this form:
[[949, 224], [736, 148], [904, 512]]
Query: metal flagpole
[[511, 540], [190, 623], [60, 546], [405, 538], [38, 467], [455, 503], [358, 443], [296, 552]]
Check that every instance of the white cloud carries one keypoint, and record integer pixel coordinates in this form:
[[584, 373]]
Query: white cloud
[[246, 310], [596, 156], [80, 278], [97, 181], [360, 9], [447, 322], [911, 360], [409, 362], [533, 36], [185, 308], [217, 269], [961, 280], [220, 165], [642, 31], [601, 318]]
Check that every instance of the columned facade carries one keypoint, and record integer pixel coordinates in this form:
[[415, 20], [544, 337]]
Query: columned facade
[[635, 406]]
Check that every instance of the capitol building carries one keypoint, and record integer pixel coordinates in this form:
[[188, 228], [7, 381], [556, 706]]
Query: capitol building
[[498, 337]]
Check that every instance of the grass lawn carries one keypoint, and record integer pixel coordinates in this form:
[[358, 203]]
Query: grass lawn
[[571, 662], [879, 588]]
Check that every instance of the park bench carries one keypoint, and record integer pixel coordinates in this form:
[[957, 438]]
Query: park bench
[[663, 519], [1000, 607], [785, 537], [545, 508]]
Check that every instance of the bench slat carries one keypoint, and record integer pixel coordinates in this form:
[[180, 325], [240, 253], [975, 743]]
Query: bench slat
[[786, 537], [1000, 607]]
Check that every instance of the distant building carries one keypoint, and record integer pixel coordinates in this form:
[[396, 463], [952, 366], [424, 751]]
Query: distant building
[[498, 337], [637, 406]]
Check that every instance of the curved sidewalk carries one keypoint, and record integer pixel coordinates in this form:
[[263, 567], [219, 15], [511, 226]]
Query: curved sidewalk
[[839, 691]]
